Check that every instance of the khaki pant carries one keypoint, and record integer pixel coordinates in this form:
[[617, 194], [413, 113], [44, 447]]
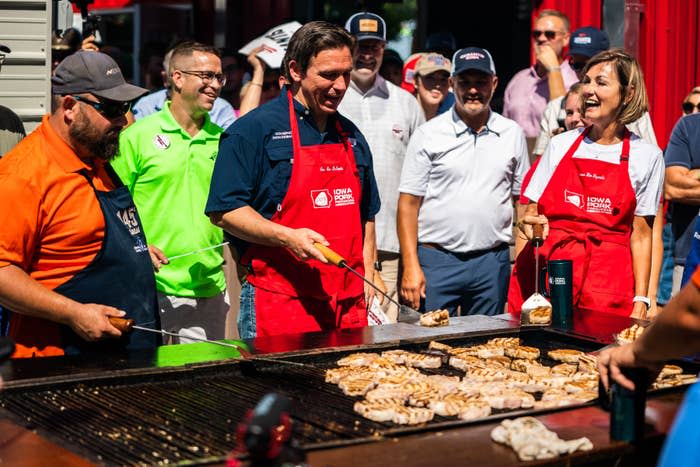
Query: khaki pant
[[390, 276]]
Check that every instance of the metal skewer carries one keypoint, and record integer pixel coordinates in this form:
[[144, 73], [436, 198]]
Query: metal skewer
[[170, 258]]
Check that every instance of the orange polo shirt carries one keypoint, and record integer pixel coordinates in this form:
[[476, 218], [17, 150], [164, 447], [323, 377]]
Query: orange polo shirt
[[52, 224]]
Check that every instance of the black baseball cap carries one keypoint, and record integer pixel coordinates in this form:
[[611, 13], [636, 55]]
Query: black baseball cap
[[366, 26], [588, 41], [95, 73], [473, 58]]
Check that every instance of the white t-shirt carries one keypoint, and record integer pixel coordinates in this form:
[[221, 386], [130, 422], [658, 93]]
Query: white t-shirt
[[646, 167], [387, 116], [467, 180]]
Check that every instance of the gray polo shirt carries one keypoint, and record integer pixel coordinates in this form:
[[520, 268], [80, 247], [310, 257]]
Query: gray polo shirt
[[467, 180]]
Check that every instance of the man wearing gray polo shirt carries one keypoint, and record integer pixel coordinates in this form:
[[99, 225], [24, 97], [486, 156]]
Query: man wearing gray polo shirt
[[455, 213], [387, 116]]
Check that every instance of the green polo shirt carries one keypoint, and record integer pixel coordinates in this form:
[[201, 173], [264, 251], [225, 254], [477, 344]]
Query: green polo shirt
[[168, 173]]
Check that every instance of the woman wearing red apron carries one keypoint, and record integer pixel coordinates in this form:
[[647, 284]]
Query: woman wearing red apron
[[597, 202]]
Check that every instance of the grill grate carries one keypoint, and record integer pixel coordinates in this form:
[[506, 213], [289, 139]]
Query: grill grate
[[186, 417]]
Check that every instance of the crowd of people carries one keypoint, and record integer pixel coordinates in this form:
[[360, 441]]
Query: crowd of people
[[402, 167]]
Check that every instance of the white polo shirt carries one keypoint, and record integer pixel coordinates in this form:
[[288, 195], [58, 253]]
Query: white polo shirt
[[646, 167], [467, 180], [387, 116]]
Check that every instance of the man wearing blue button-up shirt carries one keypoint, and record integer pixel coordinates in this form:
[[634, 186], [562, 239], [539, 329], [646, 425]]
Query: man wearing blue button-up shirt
[[256, 155]]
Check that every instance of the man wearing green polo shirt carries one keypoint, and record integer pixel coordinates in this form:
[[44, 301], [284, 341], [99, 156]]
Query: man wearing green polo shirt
[[166, 160]]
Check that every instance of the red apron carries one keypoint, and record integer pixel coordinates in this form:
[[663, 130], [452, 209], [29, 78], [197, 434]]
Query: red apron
[[324, 195], [590, 206]]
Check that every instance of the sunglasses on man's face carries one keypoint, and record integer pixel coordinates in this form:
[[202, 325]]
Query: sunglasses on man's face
[[577, 65], [689, 107], [548, 34], [110, 109]]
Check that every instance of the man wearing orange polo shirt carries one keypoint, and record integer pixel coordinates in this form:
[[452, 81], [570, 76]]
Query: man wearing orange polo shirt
[[72, 251]]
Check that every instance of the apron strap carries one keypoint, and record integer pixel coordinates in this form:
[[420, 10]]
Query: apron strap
[[296, 141]]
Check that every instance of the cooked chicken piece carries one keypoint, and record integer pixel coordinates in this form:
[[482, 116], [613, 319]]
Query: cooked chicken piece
[[465, 362], [489, 351], [585, 376], [583, 385], [412, 415], [565, 355], [388, 392], [356, 385], [334, 375], [564, 369], [395, 356], [673, 381], [554, 381], [464, 351], [474, 410], [630, 334], [451, 404], [358, 359], [380, 410], [422, 398], [588, 363], [497, 362], [529, 385], [509, 399], [434, 345], [444, 384], [504, 341], [486, 374], [541, 315], [435, 318], [423, 361], [670, 370], [470, 388], [523, 351]]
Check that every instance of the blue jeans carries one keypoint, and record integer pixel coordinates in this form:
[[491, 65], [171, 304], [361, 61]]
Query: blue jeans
[[477, 282], [246, 315], [663, 294]]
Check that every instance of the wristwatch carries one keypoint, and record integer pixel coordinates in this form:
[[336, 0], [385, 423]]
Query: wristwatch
[[641, 298], [378, 266]]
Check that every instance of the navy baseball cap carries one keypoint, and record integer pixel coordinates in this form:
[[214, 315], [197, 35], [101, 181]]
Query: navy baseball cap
[[366, 26], [473, 58], [588, 41], [95, 73]]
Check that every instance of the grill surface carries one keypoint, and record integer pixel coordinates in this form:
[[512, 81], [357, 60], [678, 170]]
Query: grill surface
[[191, 417]]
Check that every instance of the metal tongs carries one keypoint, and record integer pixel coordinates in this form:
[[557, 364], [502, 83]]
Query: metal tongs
[[406, 314]]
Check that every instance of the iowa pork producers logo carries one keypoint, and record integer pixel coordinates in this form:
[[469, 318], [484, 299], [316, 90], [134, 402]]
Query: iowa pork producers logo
[[574, 198], [321, 198], [599, 204]]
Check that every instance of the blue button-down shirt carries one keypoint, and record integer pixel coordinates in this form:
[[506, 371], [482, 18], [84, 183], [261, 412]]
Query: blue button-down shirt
[[254, 167]]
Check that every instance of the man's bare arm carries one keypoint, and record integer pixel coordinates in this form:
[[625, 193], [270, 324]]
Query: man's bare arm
[[22, 294], [247, 224], [681, 185], [412, 281]]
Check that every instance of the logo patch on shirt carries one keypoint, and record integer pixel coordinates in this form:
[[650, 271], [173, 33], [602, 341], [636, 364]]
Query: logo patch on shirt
[[573, 198], [161, 142], [321, 198], [599, 204], [282, 135], [343, 197]]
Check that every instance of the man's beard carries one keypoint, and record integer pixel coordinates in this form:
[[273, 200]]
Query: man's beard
[[100, 145]]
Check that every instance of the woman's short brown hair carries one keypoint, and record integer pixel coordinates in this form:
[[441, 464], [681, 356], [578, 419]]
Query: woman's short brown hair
[[632, 89]]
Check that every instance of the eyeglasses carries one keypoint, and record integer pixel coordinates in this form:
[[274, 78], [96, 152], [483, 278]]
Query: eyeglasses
[[689, 107], [206, 76], [110, 109], [548, 34]]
